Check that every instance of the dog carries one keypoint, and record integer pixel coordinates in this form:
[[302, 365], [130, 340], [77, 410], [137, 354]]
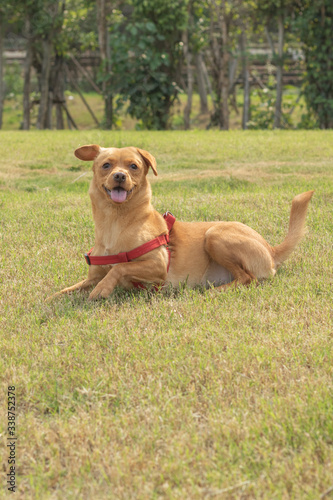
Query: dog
[[213, 254]]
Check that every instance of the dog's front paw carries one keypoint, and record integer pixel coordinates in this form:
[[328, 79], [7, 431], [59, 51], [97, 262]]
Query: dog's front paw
[[100, 291]]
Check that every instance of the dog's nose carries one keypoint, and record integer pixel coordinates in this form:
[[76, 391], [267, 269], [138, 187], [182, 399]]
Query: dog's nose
[[119, 177]]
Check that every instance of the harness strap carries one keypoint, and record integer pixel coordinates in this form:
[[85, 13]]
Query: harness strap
[[118, 258], [169, 219]]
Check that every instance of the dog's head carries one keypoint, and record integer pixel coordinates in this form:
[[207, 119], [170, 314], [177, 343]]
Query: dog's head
[[119, 173]]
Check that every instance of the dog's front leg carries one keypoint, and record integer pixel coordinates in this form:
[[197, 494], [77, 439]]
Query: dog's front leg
[[82, 285], [143, 271], [95, 275]]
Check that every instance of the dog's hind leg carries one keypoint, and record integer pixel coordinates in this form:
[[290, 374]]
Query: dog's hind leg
[[240, 250]]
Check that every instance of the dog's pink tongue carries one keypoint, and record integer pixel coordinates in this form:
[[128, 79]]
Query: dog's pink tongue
[[118, 195]]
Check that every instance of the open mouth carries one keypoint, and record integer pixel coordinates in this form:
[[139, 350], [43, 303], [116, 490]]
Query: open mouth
[[118, 194]]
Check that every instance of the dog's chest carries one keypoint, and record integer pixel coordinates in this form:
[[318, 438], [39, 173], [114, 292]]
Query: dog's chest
[[117, 238], [110, 238]]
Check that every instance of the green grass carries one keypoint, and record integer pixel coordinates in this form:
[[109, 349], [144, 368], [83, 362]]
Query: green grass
[[179, 395]]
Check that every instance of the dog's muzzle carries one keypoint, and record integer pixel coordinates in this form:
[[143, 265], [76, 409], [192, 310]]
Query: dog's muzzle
[[118, 194]]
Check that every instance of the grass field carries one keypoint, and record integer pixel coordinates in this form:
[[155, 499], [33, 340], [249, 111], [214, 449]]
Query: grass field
[[179, 395]]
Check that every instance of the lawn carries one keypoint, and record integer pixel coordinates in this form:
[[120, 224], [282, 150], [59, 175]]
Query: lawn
[[181, 394]]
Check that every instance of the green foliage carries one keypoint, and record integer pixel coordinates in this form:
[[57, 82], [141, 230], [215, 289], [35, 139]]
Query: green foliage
[[13, 81], [146, 58], [308, 121], [78, 29], [147, 50], [315, 25], [262, 113], [271, 8], [71, 24], [263, 103]]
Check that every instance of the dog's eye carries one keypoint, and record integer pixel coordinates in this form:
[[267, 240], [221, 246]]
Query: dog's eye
[[106, 166], [133, 166]]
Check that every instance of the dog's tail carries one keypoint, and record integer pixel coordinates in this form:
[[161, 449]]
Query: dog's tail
[[296, 228]]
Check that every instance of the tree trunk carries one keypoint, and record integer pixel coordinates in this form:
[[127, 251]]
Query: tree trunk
[[246, 81], [220, 22], [2, 87], [109, 97], [201, 84], [52, 78], [270, 41], [44, 84], [225, 70], [58, 92], [216, 50], [26, 82], [189, 74], [105, 61], [59, 116], [208, 82], [233, 64], [279, 74], [48, 123]]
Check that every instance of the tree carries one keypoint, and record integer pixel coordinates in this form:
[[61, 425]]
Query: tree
[[6, 15], [48, 25], [27, 74], [54, 31], [146, 58], [275, 12], [194, 41], [221, 15], [189, 70], [201, 82], [103, 8], [315, 26], [246, 79], [245, 24], [2, 90]]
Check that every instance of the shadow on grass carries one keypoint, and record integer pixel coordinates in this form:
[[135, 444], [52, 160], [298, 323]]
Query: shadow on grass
[[122, 297], [78, 301]]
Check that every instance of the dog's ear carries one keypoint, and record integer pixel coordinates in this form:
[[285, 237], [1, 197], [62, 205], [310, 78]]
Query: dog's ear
[[149, 159], [87, 153]]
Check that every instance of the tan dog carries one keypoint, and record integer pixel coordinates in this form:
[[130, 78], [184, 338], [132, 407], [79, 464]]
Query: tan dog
[[209, 253]]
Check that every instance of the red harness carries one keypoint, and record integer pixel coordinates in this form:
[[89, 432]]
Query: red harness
[[137, 252]]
